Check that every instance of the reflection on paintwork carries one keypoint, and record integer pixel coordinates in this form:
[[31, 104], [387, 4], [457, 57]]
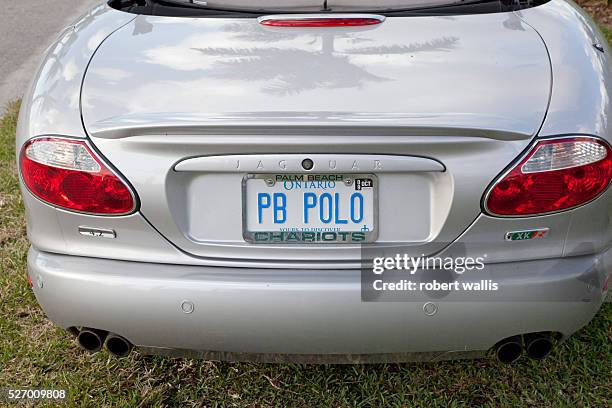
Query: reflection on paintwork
[[581, 102], [235, 68], [56, 94]]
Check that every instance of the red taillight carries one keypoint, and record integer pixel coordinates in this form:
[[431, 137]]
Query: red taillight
[[311, 21], [67, 174], [556, 174]]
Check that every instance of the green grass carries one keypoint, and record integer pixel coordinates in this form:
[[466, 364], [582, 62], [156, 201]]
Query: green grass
[[34, 353], [608, 33]]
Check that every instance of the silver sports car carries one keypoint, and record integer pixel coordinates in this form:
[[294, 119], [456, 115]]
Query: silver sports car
[[321, 181]]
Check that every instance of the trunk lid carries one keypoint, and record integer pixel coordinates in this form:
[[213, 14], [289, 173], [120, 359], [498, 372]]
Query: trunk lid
[[448, 101]]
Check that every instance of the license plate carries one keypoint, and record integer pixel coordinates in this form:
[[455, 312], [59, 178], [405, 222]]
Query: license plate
[[310, 208]]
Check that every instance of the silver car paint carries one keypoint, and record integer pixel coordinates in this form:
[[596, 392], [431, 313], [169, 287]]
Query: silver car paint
[[52, 101], [579, 103], [580, 100], [303, 312], [329, 91], [393, 75]]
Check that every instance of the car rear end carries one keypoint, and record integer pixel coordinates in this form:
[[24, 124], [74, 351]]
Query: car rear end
[[214, 184]]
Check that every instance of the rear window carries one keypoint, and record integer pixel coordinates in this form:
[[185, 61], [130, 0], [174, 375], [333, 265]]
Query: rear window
[[253, 5], [320, 5], [255, 8]]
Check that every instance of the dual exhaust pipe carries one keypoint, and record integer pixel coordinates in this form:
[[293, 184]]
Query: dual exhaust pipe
[[93, 340], [538, 346]]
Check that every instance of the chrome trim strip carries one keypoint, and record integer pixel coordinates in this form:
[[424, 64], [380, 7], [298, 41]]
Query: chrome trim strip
[[323, 163]]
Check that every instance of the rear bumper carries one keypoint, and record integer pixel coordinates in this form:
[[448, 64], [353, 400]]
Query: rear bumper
[[302, 315]]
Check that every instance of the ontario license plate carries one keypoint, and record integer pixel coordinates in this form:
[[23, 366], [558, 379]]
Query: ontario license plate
[[310, 208]]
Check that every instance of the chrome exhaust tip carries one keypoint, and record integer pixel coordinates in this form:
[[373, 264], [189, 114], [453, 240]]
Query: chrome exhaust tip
[[91, 339], [538, 345], [509, 350], [118, 346]]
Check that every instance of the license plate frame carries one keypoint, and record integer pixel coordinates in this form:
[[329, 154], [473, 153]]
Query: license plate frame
[[369, 236]]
